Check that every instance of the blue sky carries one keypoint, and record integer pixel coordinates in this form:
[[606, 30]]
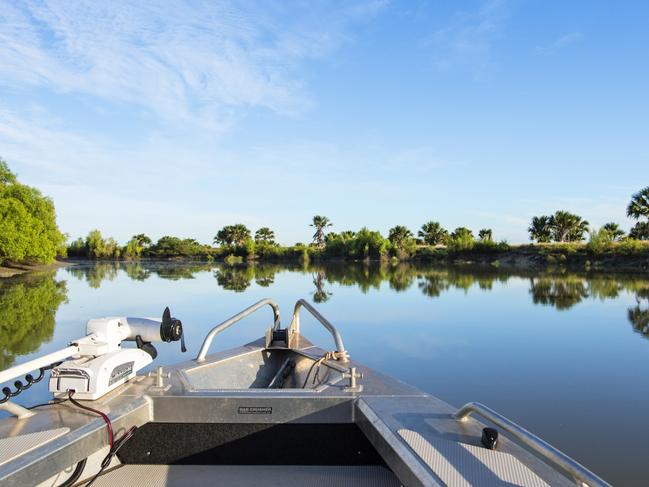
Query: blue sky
[[181, 117]]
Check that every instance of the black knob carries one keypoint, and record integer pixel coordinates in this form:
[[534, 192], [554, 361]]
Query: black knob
[[490, 438]]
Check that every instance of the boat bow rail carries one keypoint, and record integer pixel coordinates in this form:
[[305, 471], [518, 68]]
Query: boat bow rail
[[578, 472], [340, 354]]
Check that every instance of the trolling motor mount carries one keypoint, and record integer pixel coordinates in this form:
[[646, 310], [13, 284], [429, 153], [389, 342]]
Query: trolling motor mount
[[101, 364]]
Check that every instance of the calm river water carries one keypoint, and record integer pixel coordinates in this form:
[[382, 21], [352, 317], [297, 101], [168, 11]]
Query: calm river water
[[566, 355]]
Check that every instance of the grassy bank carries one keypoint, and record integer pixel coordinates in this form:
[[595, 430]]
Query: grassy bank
[[624, 256]]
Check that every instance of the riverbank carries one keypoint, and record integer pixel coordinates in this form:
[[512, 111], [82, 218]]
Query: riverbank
[[617, 257], [11, 270]]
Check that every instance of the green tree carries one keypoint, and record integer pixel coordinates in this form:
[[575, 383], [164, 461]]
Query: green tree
[[432, 233], [461, 239], [6, 176], [169, 246], [132, 249], [320, 223], [28, 230], [485, 235], [143, 240], [367, 244], [640, 231], [639, 205], [568, 227], [541, 229], [136, 246], [96, 245], [266, 235], [614, 230], [462, 232], [232, 235], [77, 248], [399, 236]]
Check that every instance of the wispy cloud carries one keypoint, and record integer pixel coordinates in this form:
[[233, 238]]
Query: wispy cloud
[[468, 40], [193, 61], [560, 42]]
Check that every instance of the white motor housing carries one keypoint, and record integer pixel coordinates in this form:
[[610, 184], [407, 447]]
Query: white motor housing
[[100, 364], [91, 378]]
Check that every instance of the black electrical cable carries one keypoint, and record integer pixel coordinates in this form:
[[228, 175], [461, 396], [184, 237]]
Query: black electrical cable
[[76, 474], [113, 451], [103, 416], [52, 403]]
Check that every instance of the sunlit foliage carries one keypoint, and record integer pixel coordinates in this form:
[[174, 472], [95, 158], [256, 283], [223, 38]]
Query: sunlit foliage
[[28, 230]]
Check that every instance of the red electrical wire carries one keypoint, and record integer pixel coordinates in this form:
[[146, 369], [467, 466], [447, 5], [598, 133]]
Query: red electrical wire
[[104, 417]]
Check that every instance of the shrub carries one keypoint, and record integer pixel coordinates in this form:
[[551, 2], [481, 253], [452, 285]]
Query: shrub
[[600, 241]]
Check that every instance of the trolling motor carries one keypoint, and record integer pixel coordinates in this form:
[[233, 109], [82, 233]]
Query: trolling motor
[[101, 364]]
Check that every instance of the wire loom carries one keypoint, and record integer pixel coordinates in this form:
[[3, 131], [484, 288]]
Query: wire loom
[[29, 378]]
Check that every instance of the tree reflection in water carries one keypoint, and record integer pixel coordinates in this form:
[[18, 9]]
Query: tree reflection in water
[[639, 314], [94, 274], [27, 308], [320, 295], [561, 290], [235, 278]]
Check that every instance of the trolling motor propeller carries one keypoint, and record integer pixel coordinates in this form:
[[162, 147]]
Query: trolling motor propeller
[[171, 329]]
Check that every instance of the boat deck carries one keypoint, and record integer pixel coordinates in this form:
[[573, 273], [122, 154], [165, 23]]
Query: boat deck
[[197, 429], [248, 476]]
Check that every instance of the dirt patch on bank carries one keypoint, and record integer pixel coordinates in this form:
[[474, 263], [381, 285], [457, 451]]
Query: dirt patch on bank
[[10, 270]]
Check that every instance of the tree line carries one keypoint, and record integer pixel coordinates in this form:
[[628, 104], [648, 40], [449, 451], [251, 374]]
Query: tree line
[[238, 241], [564, 226], [29, 233]]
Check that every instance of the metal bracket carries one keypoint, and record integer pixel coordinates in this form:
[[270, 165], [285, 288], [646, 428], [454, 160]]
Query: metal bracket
[[352, 375], [16, 409], [160, 376]]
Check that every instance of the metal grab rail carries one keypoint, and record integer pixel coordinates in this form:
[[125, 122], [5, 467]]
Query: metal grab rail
[[581, 474], [231, 321], [343, 356]]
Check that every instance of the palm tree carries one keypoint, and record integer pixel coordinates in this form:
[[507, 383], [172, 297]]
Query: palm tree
[[540, 229], [399, 235], [240, 233], [232, 234], [639, 205], [265, 234], [568, 227], [613, 230], [462, 233], [485, 235], [640, 231], [320, 223], [142, 240], [433, 233]]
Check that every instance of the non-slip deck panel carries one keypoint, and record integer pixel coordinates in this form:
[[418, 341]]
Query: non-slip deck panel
[[248, 476], [462, 465], [249, 444], [13, 447]]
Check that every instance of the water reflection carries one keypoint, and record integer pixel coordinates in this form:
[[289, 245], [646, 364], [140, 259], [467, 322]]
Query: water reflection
[[320, 295], [27, 308], [96, 273], [559, 290], [235, 278], [562, 293]]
